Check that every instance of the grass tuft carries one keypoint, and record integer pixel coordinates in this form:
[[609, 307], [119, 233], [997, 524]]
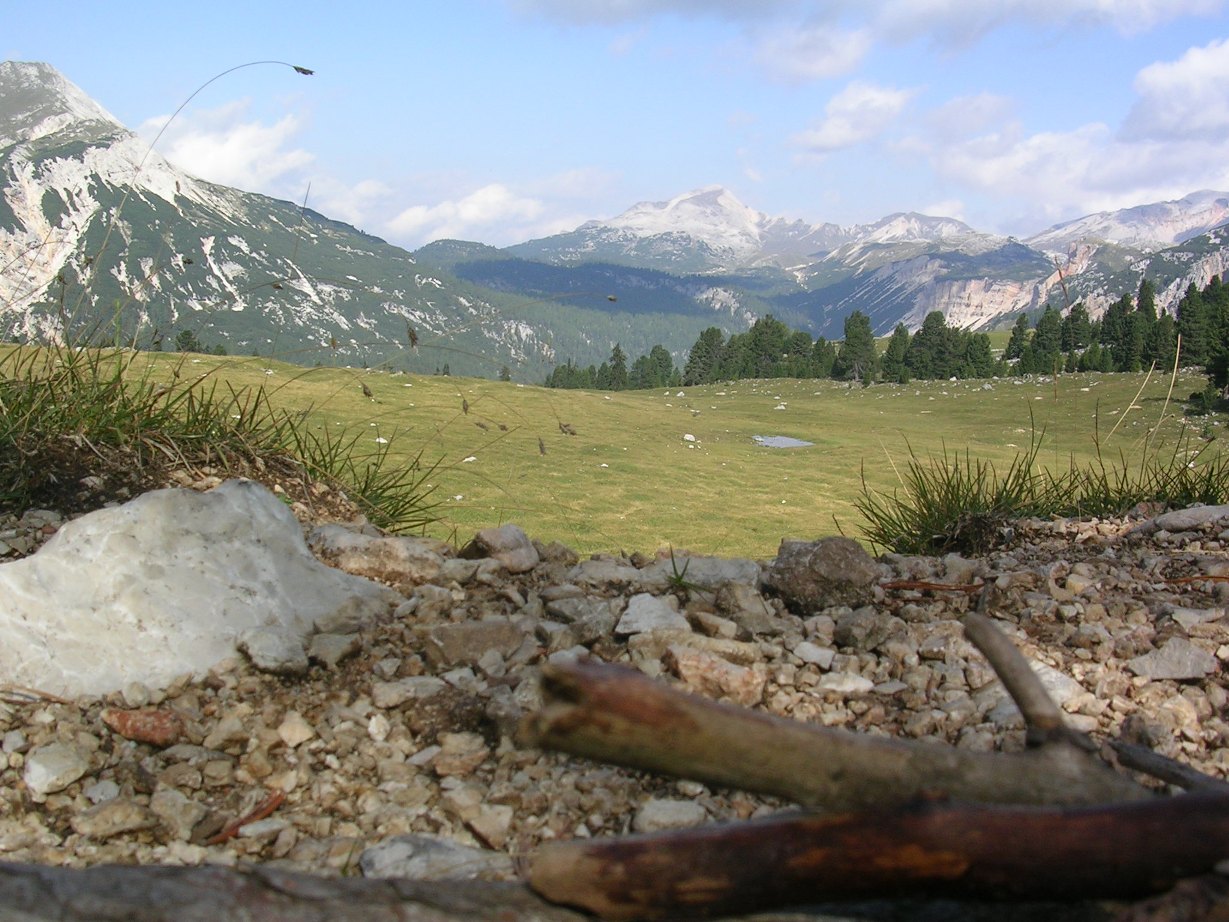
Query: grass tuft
[[82, 422], [959, 503]]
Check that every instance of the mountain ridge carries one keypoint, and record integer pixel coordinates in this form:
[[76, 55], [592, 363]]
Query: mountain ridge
[[256, 274]]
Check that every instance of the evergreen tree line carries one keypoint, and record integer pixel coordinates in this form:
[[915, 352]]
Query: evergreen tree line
[[1130, 336]]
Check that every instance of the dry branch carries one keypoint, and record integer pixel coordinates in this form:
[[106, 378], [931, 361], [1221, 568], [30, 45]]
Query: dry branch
[[940, 850], [613, 714], [33, 893], [1043, 720]]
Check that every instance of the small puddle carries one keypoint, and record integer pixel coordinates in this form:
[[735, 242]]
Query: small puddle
[[780, 441]]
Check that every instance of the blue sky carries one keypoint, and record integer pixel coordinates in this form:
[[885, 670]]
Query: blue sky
[[504, 120]]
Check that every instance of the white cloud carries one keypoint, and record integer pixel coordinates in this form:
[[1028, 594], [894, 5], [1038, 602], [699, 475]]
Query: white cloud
[[858, 113], [811, 53], [1186, 98], [223, 145], [359, 203], [480, 215]]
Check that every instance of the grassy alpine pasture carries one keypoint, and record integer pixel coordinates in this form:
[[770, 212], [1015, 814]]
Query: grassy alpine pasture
[[651, 469]]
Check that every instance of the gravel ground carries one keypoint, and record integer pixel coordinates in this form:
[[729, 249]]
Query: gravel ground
[[394, 754]]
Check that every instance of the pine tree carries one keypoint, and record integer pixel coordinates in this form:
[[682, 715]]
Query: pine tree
[[704, 358], [893, 361], [1019, 338], [856, 359]]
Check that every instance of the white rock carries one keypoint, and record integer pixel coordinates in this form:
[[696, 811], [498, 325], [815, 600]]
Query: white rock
[[428, 858], [165, 585], [659, 813], [846, 683], [647, 612], [814, 654], [53, 767]]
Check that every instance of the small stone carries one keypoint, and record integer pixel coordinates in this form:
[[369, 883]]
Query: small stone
[[53, 767], [659, 813], [159, 727], [491, 823], [414, 688], [403, 562], [463, 643], [1189, 519], [863, 629], [1192, 617], [814, 654], [460, 754], [508, 544], [294, 730], [846, 683], [1177, 659], [113, 817], [418, 857], [279, 652], [378, 727], [178, 813], [136, 694], [228, 730], [714, 677], [331, 649], [647, 613], [101, 791]]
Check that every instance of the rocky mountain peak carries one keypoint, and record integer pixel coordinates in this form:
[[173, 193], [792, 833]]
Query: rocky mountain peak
[[36, 100], [712, 215]]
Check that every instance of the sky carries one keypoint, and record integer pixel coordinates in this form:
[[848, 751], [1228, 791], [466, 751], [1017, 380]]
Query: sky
[[507, 120]]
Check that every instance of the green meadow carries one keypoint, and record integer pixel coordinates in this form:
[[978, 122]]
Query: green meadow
[[642, 470]]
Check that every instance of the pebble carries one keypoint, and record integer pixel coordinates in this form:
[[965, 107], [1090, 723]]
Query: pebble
[[53, 767], [657, 814]]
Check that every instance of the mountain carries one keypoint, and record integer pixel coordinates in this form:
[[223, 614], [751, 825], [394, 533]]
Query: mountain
[[902, 267], [1144, 227], [711, 229], [102, 239]]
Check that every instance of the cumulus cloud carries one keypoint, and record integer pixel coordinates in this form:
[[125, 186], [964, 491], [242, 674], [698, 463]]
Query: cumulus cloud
[[857, 113], [1186, 98], [489, 213], [226, 146], [811, 53]]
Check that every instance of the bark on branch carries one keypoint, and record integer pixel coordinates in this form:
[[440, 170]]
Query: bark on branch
[[33, 893], [614, 714], [939, 850]]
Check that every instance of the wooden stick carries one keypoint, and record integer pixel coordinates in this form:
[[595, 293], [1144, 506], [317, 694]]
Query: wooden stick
[[1043, 721], [613, 714], [934, 850], [1150, 762]]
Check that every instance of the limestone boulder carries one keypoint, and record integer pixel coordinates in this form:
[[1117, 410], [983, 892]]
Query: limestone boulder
[[168, 584]]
